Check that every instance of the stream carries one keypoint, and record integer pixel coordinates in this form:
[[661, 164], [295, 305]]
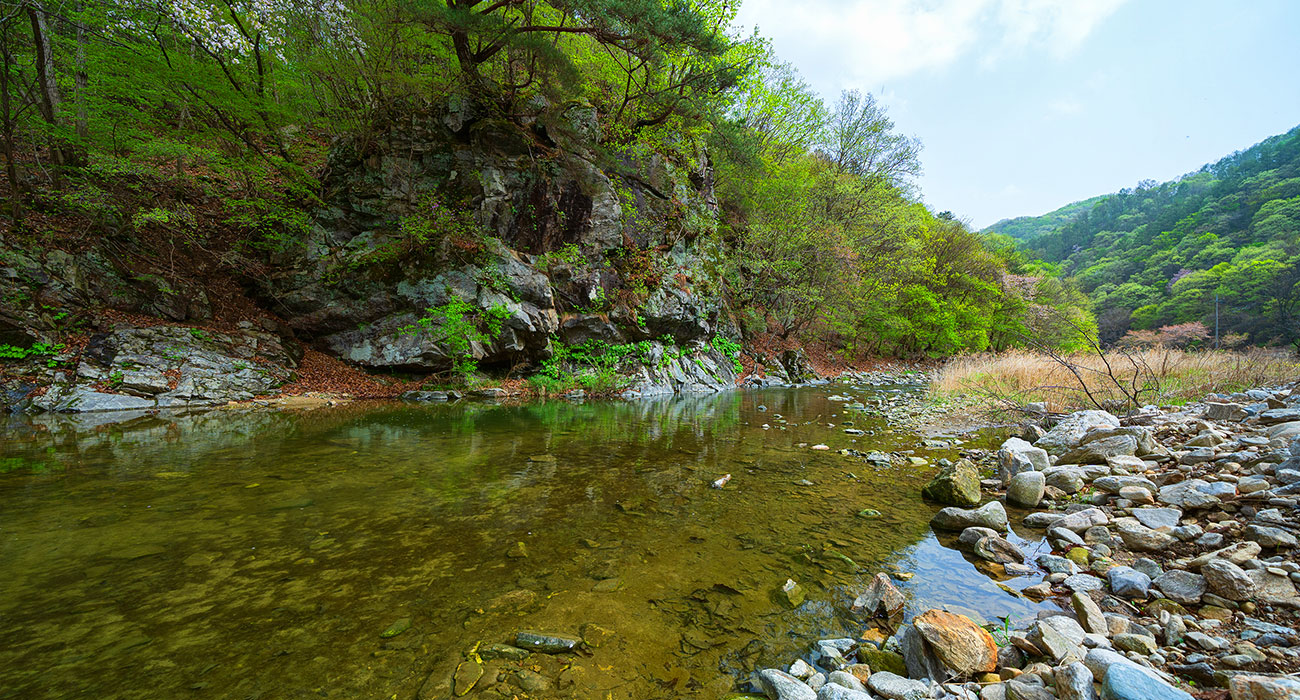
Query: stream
[[248, 553]]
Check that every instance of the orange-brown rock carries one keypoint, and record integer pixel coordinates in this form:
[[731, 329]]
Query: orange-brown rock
[[960, 644]]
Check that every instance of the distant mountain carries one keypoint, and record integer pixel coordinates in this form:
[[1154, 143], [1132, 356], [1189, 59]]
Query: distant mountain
[[1159, 254], [1028, 228]]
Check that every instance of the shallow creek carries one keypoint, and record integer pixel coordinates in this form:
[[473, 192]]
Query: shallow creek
[[251, 554]]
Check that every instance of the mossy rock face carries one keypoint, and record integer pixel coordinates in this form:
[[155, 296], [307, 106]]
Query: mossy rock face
[[881, 660], [956, 485]]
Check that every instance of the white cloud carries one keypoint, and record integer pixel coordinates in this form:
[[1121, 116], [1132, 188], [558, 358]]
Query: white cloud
[[1011, 190], [872, 41]]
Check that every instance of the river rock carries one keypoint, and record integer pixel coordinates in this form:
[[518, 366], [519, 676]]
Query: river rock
[[1017, 689], [1279, 415], [960, 644], [1127, 582], [1083, 583], [998, 550], [1186, 495], [802, 670], [1252, 687], [1113, 484], [1018, 456], [1136, 643], [881, 660], [1067, 434], [1140, 538], [468, 673], [835, 691], [1181, 586], [1099, 451], [971, 535], [847, 680], [1042, 519], [1137, 495], [1060, 641], [779, 685], [1226, 579], [990, 515], [1082, 520], [894, 687], [882, 597], [1056, 565], [1074, 682], [1026, 489], [1125, 682], [1238, 553], [919, 658], [1273, 588], [1233, 412], [1068, 479], [955, 485], [1270, 537], [544, 642], [1091, 619], [1156, 518]]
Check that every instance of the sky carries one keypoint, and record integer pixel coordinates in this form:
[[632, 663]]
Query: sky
[[1024, 106]]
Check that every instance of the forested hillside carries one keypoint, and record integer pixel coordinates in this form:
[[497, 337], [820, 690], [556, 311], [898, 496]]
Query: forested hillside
[[1159, 255], [1028, 228], [462, 185]]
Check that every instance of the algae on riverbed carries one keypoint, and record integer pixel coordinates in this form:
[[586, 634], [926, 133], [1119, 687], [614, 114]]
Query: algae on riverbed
[[146, 565]]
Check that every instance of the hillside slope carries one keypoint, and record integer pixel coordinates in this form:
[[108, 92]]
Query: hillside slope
[[1159, 254], [1030, 228]]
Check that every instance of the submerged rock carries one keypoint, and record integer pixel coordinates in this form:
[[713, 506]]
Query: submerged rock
[[545, 643], [882, 597]]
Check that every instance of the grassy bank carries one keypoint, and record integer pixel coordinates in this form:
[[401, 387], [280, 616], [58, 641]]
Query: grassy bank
[[1116, 380]]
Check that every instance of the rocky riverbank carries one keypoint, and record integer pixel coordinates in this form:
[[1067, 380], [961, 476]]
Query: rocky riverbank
[[1172, 566]]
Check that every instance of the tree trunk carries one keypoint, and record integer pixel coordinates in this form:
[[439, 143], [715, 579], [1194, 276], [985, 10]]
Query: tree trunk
[[8, 124], [83, 128], [46, 78]]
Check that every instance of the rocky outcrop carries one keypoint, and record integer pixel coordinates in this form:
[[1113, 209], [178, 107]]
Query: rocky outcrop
[[530, 221], [160, 367]]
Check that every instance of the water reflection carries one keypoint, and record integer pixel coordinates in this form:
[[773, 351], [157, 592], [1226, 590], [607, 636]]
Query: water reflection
[[246, 553]]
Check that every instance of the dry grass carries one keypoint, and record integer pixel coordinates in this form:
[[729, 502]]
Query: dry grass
[[1155, 376]]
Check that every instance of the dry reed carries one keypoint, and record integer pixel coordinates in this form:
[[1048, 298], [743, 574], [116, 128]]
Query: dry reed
[[1160, 376]]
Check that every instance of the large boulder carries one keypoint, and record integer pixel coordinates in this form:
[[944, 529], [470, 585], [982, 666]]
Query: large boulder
[[960, 644], [1069, 433], [957, 484]]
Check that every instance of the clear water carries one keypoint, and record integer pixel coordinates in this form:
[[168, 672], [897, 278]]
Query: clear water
[[255, 554]]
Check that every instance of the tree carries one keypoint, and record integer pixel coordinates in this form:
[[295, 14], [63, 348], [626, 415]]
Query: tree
[[860, 139]]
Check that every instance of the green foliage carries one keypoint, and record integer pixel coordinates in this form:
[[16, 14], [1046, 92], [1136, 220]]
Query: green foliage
[[15, 352], [458, 327], [730, 348], [1225, 238]]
